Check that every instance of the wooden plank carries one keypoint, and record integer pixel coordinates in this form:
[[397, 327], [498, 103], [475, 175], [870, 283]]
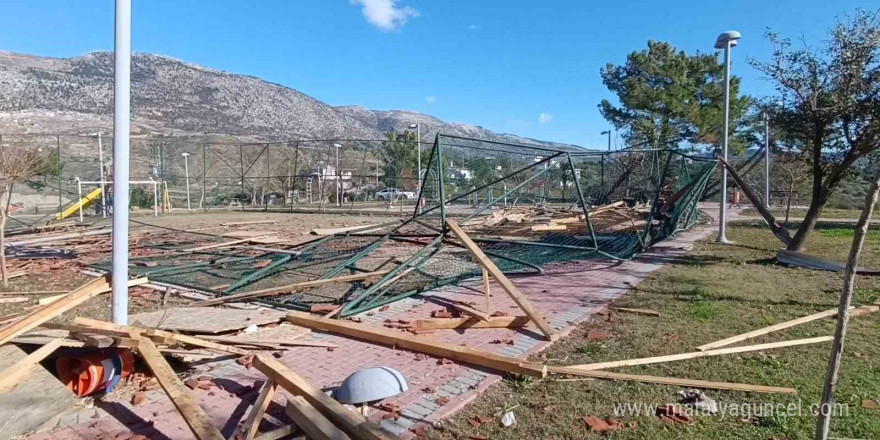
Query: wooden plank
[[411, 342], [11, 376], [334, 231], [465, 323], [102, 326], [39, 397], [508, 286], [544, 228], [282, 433], [252, 423], [352, 423], [464, 308], [14, 300], [290, 288], [253, 222], [316, 426], [186, 404], [646, 312], [690, 383], [204, 320], [276, 342], [228, 243], [27, 322], [769, 329], [699, 354], [50, 299]]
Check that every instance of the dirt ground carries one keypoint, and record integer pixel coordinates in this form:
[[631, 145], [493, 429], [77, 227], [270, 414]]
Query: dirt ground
[[56, 276]]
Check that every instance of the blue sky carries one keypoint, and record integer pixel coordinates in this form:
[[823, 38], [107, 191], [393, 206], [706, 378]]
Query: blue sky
[[518, 66]]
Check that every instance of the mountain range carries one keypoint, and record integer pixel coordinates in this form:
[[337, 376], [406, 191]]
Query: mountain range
[[172, 97]]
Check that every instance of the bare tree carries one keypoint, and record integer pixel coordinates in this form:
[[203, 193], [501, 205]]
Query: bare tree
[[829, 108], [16, 165]]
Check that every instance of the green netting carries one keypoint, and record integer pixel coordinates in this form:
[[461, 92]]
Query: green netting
[[526, 207]]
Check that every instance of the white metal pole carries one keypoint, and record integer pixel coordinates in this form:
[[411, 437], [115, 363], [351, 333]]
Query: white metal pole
[[186, 170], [79, 190], [121, 132], [419, 147], [767, 160], [103, 188], [338, 174], [155, 198], [722, 224]]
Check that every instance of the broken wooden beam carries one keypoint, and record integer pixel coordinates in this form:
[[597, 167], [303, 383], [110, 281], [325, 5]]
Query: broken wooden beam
[[465, 323], [13, 375], [252, 423], [312, 422], [110, 328], [409, 342], [502, 279], [352, 423], [690, 383], [33, 319], [776, 327], [645, 312], [227, 243], [699, 354], [180, 395]]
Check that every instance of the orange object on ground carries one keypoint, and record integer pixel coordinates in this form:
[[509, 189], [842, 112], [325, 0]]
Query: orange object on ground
[[95, 371]]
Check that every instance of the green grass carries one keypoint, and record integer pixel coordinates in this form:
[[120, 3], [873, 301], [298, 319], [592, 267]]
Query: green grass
[[799, 213], [721, 291]]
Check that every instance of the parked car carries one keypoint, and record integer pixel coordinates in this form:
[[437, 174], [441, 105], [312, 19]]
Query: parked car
[[392, 194]]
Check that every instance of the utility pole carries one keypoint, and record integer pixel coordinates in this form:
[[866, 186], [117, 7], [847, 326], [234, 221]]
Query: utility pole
[[121, 132], [608, 132]]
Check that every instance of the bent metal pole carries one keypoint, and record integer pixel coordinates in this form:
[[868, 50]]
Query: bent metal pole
[[121, 131]]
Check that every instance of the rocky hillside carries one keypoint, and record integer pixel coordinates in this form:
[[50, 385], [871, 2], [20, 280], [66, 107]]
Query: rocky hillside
[[74, 95]]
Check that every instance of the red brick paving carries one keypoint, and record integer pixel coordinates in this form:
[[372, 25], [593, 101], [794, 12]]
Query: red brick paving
[[565, 297]]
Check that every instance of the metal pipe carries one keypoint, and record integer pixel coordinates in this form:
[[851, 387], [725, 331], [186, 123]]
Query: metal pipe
[[79, 190], [155, 197], [121, 133], [103, 188]]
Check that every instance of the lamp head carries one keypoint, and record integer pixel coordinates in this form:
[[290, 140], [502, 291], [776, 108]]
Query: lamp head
[[725, 37], [184, 154], [413, 125], [606, 132]]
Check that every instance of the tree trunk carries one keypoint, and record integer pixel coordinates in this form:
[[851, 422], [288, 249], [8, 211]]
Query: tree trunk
[[810, 220], [788, 201], [823, 425]]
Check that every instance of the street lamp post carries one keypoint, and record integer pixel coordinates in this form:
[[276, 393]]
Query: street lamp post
[[608, 132], [186, 170], [766, 159], [726, 41]]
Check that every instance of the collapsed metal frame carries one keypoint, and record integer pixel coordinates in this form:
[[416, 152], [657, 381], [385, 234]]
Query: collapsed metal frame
[[430, 257], [375, 295]]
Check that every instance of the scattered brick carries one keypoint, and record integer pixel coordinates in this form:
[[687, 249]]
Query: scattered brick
[[442, 401], [673, 414], [139, 398]]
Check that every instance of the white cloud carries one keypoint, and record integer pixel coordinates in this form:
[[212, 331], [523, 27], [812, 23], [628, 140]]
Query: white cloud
[[386, 15], [474, 27], [545, 118], [430, 99]]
